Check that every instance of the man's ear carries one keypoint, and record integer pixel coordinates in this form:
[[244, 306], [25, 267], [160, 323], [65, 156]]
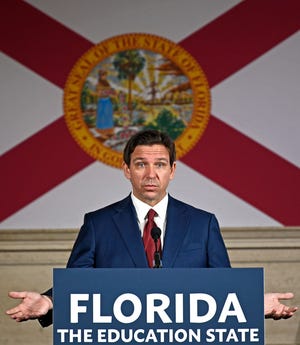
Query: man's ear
[[173, 169], [126, 170]]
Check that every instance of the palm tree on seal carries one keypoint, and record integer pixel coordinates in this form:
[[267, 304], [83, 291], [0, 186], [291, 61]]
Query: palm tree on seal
[[129, 64]]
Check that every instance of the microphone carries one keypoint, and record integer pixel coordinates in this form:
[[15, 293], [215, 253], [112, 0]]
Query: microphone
[[155, 234]]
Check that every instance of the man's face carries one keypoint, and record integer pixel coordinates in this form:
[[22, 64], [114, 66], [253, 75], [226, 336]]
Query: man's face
[[149, 172]]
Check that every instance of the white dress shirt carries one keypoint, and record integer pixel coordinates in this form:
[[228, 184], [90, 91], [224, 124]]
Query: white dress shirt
[[142, 210]]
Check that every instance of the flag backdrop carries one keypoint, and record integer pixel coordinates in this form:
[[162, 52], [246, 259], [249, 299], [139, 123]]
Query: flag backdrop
[[245, 168]]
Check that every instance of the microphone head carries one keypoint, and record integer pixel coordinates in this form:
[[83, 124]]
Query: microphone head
[[155, 233]]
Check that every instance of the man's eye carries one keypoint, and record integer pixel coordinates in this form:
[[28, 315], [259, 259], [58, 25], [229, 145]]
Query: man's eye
[[140, 164], [160, 165]]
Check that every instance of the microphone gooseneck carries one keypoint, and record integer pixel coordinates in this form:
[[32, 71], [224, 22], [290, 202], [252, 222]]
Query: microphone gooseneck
[[155, 234]]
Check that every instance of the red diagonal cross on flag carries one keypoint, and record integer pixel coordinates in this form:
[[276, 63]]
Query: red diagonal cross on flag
[[224, 155]]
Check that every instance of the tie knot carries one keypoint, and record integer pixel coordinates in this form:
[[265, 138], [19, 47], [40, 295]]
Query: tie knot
[[151, 214]]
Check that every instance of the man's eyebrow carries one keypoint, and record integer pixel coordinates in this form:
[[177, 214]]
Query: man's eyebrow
[[145, 159], [162, 159], [138, 159]]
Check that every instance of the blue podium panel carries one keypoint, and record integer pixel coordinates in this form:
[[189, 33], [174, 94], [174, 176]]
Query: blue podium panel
[[159, 306]]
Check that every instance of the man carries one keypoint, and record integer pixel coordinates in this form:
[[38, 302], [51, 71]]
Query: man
[[113, 236]]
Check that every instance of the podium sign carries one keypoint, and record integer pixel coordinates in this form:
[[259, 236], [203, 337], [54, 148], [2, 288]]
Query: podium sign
[[159, 306]]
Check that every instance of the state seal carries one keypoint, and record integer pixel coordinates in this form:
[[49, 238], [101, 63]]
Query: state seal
[[133, 82]]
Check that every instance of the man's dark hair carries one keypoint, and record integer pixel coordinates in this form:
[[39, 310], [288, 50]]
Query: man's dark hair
[[149, 137]]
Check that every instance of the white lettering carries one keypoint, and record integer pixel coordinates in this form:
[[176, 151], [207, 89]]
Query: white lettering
[[97, 317], [75, 309], [63, 333], [159, 309], [137, 308], [77, 335], [179, 308], [254, 334], [202, 308], [237, 309], [212, 307], [241, 335]]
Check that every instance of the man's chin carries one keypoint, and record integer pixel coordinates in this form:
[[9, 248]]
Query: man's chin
[[150, 197]]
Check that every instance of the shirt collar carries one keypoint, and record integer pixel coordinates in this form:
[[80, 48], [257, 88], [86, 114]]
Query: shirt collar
[[142, 208]]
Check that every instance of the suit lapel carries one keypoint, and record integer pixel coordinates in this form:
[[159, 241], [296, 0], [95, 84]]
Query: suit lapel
[[177, 226], [127, 225]]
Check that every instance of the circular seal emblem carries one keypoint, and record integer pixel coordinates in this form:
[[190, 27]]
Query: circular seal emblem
[[132, 82]]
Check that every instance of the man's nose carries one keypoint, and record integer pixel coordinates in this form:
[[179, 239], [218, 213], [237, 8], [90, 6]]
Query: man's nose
[[151, 171]]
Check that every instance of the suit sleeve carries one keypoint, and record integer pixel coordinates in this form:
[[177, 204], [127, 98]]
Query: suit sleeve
[[47, 319], [83, 252], [81, 256], [216, 250]]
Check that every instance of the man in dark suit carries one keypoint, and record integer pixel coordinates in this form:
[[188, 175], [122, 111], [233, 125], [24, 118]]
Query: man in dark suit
[[113, 236]]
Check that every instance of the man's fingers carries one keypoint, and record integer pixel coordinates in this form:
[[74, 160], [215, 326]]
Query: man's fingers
[[17, 294], [286, 295], [12, 311], [19, 317], [18, 314]]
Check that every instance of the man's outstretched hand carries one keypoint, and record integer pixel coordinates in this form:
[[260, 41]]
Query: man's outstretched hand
[[33, 305], [275, 309]]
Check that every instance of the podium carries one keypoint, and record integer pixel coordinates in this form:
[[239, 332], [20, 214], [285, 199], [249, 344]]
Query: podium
[[158, 306]]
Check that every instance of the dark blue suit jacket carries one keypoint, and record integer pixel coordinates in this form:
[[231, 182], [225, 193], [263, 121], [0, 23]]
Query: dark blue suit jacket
[[110, 237]]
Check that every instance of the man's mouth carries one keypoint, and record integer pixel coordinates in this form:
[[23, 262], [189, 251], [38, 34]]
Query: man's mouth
[[150, 186]]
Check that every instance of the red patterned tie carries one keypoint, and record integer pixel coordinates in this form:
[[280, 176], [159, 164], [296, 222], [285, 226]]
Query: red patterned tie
[[147, 238]]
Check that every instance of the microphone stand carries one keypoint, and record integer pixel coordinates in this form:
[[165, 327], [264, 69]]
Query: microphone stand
[[155, 234], [157, 261]]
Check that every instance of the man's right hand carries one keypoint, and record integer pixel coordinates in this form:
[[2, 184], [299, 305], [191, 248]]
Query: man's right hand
[[32, 306]]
